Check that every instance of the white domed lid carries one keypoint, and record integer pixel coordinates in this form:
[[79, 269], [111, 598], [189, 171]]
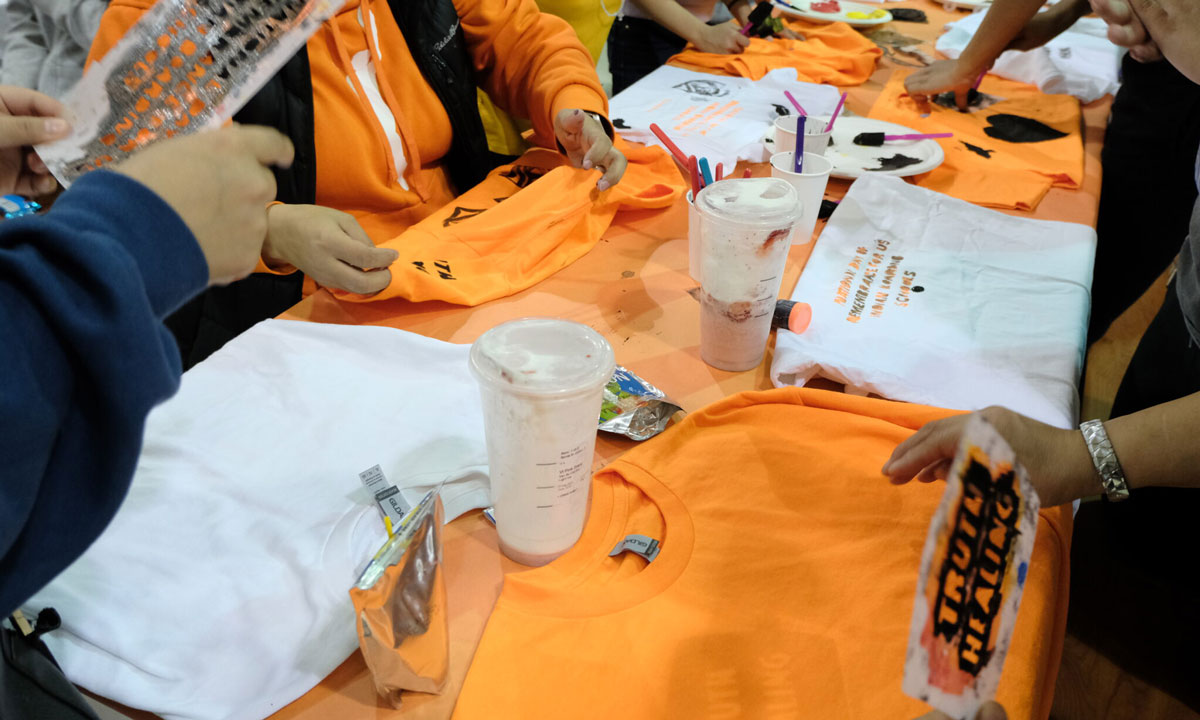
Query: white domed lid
[[543, 356], [761, 202]]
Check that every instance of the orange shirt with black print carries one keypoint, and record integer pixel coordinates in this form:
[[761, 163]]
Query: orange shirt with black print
[[381, 131]]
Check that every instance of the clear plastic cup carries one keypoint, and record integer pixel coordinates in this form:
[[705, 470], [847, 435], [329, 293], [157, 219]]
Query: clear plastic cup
[[693, 239], [816, 137], [542, 382], [810, 188], [745, 230]]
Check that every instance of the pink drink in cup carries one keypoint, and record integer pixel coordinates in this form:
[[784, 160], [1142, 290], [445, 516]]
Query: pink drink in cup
[[542, 383], [745, 230]]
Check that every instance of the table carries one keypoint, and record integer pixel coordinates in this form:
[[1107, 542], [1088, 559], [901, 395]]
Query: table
[[634, 289]]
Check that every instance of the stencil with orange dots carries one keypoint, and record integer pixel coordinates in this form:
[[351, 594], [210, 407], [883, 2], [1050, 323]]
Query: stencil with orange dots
[[186, 65]]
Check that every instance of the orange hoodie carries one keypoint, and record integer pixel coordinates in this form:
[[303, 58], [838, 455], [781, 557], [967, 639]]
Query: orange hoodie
[[379, 157]]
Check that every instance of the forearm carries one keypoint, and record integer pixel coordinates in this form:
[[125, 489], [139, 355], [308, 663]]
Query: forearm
[[741, 10], [84, 289], [1071, 10], [1158, 446], [674, 17], [1004, 21]]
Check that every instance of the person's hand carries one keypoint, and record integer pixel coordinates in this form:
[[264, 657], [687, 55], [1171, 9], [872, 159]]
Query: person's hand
[[741, 15], [327, 245], [1057, 460], [588, 146], [722, 39], [788, 34], [219, 184], [942, 76], [1125, 28], [27, 118], [991, 710]]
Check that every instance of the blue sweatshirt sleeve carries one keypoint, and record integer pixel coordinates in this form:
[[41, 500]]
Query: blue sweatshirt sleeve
[[84, 356]]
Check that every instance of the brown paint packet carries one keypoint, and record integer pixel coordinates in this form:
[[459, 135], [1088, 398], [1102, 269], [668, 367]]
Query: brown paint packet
[[400, 607]]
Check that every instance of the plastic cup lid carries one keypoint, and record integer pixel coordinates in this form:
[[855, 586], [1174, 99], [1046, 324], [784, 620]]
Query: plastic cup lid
[[542, 356], [756, 202]]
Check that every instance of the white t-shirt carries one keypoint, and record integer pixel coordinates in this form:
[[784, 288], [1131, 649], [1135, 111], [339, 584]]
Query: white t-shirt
[[220, 588]]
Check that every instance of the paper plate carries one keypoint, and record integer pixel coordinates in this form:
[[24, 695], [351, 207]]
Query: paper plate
[[851, 161], [971, 5], [803, 9]]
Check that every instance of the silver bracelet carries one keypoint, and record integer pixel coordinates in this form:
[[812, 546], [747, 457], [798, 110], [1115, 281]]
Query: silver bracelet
[[1112, 477]]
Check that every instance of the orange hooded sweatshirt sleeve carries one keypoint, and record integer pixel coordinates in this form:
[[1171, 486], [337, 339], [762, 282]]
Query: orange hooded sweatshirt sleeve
[[532, 64]]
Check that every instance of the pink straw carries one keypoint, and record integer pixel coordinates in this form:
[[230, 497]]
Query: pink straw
[[797, 105], [919, 136], [836, 112], [979, 80]]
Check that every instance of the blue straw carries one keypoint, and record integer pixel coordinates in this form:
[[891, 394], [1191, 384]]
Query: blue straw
[[705, 171], [798, 153]]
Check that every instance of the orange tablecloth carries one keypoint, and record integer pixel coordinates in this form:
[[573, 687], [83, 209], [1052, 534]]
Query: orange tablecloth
[[634, 289]]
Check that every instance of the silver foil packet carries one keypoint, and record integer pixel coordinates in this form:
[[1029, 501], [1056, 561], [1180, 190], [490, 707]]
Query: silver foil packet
[[634, 408], [400, 607]]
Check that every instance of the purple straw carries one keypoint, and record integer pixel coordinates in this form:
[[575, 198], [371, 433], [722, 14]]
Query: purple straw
[[836, 111], [979, 80], [798, 153]]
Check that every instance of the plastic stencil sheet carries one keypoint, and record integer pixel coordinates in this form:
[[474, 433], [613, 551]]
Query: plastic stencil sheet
[[185, 66]]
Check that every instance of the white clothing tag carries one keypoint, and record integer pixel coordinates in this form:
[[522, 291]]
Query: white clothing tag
[[391, 502], [647, 547]]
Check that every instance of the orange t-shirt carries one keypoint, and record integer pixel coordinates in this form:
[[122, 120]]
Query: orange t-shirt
[[522, 224], [783, 588], [835, 54], [381, 130], [983, 165]]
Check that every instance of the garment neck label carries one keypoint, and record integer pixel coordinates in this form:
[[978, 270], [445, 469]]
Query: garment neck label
[[391, 503], [647, 547]]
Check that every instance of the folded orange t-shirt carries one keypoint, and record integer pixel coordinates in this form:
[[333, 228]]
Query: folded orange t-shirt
[[523, 223], [783, 587], [1007, 154], [835, 54]]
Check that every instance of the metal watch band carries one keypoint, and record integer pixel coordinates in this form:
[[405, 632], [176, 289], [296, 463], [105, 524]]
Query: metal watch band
[[1112, 477]]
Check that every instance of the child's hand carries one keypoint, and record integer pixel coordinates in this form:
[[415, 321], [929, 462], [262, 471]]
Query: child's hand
[[588, 146], [942, 76], [723, 39]]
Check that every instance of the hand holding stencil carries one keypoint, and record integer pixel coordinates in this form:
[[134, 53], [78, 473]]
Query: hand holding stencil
[[973, 572]]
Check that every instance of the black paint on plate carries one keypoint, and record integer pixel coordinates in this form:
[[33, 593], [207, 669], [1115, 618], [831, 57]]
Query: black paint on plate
[[895, 162]]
